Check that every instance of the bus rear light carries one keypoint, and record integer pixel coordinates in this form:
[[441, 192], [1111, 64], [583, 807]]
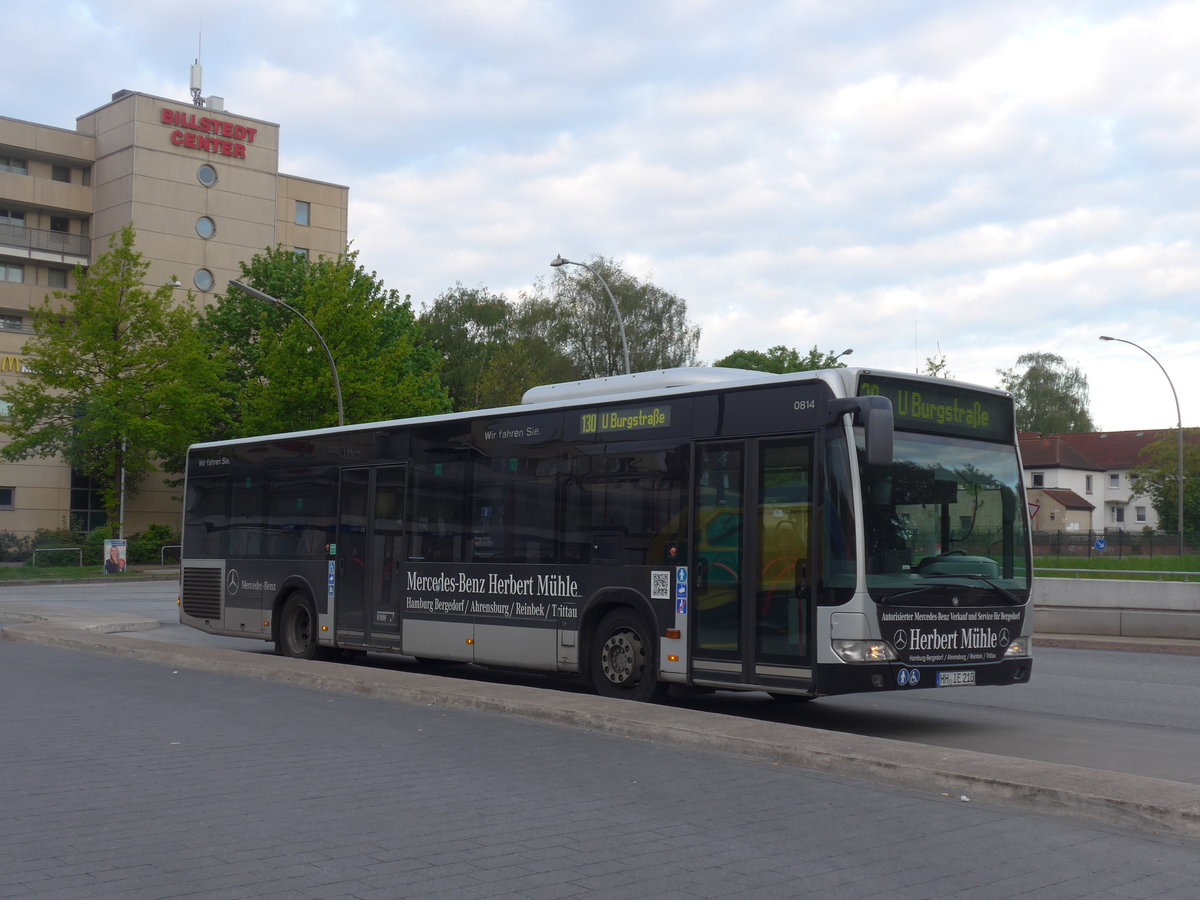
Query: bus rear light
[[864, 651], [672, 633], [470, 642], [324, 627], [672, 657], [267, 624]]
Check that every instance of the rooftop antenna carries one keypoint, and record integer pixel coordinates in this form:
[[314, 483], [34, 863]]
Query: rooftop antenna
[[197, 74]]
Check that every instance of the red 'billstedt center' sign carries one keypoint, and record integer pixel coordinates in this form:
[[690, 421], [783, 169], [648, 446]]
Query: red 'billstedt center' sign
[[208, 134]]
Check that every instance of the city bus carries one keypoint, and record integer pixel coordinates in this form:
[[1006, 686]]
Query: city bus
[[808, 534]]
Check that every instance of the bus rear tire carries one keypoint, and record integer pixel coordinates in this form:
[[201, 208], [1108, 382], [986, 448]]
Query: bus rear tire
[[297, 628], [623, 662]]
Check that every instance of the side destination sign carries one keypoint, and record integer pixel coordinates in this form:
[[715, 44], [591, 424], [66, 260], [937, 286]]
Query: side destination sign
[[943, 409], [639, 418]]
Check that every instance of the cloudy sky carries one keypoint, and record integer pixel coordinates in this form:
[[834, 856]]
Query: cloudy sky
[[905, 178]]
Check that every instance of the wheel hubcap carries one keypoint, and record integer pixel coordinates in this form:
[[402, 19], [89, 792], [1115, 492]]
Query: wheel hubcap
[[623, 657]]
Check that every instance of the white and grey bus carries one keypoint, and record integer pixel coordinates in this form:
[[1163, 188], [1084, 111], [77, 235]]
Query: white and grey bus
[[806, 534]]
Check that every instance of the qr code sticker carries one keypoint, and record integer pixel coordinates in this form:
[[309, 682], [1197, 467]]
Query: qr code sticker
[[660, 585]]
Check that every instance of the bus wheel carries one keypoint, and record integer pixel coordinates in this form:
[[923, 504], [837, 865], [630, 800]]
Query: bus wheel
[[297, 629], [623, 658]]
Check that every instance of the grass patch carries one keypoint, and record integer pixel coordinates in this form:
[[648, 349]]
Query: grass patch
[[1130, 568], [60, 573]]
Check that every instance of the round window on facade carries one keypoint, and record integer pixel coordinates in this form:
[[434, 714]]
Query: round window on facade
[[205, 227], [204, 279], [207, 175]]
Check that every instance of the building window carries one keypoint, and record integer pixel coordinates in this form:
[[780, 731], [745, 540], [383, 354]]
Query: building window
[[1038, 479], [9, 272], [206, 175], [87, 507], [56, 278], [1139, 513], [1119, 515], [1087, 483], [1114, 481], [10, 322], [203, 279], [12, 217], [205, 227], [60, 173], [300, 251], [8, 498], [14, 165], [60, 224], [302, 211]]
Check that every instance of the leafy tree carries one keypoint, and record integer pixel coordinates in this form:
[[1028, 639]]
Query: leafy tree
[[1051, 397], [533, 355], [280, 378], [116, 377], [937, 366], [656, 326], [470, 327], [1157, 476], [780, 359]]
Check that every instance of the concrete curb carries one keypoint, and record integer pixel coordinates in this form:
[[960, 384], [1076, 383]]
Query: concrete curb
[[1107, 797]]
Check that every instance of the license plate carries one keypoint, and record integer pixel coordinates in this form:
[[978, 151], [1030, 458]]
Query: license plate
[[955, 679]]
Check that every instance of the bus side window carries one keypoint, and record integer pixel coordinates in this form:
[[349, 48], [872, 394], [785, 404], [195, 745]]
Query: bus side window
[[438, 497]]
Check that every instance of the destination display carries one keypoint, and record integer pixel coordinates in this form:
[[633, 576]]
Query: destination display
[[639, 418], [928, 636], [942, 409]]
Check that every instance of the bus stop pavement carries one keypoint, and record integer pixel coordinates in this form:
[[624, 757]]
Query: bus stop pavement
[[1109, 797]]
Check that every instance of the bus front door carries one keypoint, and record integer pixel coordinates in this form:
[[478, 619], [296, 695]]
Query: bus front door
[[370, 557], [752, 563]]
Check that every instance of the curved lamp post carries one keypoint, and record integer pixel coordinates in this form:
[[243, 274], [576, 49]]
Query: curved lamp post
[[559, 261], [275, 301], [1179, 419]]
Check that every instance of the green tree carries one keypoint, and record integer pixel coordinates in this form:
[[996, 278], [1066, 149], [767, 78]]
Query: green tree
[[937, 366], [657, 330], [1051, 397], [532, 355], [780, 359], [1157, 476], [470, 327], [280, 378], [116, 377]]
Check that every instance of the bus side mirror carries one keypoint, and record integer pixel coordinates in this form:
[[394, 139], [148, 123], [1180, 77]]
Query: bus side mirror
[[875, 416]]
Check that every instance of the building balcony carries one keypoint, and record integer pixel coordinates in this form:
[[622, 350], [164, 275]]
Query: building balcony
[[47, 246]]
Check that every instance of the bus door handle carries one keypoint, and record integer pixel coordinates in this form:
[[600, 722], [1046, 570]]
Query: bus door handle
[[801, 578], [701, 575]]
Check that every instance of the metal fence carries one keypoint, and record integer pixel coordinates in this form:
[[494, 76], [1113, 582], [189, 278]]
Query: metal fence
[[1114, 543]]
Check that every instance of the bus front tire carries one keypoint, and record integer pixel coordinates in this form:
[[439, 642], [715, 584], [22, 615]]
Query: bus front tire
[[623, 660], [297, 629]]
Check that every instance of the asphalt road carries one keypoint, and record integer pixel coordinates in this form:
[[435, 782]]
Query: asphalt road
[[129, 779], [1126, 712]]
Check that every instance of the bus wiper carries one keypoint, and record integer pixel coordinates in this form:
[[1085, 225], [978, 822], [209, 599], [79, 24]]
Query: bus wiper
[[975, 576], [920, 589]]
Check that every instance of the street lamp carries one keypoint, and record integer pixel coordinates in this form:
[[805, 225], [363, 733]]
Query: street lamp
[[559, 261], [1179, 419], [275, 301], [845, 352]]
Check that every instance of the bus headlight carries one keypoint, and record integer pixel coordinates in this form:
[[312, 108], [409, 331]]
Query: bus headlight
[[863, 651], [1019, 647]]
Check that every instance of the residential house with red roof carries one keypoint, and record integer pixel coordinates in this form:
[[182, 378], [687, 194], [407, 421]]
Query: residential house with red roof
[[1081, 482]]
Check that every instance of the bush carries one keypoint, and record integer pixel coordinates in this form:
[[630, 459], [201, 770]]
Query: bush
[[146, 548], [13, 548]]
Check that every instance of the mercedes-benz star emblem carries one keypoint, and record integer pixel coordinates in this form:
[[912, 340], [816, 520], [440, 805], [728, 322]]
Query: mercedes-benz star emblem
[[232, 582]]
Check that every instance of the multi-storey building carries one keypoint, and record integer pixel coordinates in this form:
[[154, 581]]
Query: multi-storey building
[[203, 190]]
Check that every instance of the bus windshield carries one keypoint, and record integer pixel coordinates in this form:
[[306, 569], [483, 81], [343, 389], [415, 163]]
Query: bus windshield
[[945, 518]]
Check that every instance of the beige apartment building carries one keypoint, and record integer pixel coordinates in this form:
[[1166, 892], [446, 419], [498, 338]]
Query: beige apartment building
[[203, 190]]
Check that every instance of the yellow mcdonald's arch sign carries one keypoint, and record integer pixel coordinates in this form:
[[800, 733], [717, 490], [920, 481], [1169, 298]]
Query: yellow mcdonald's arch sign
[[10, 364]]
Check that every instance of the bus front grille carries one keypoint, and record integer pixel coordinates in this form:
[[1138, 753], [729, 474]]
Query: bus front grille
[[202, 592]]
